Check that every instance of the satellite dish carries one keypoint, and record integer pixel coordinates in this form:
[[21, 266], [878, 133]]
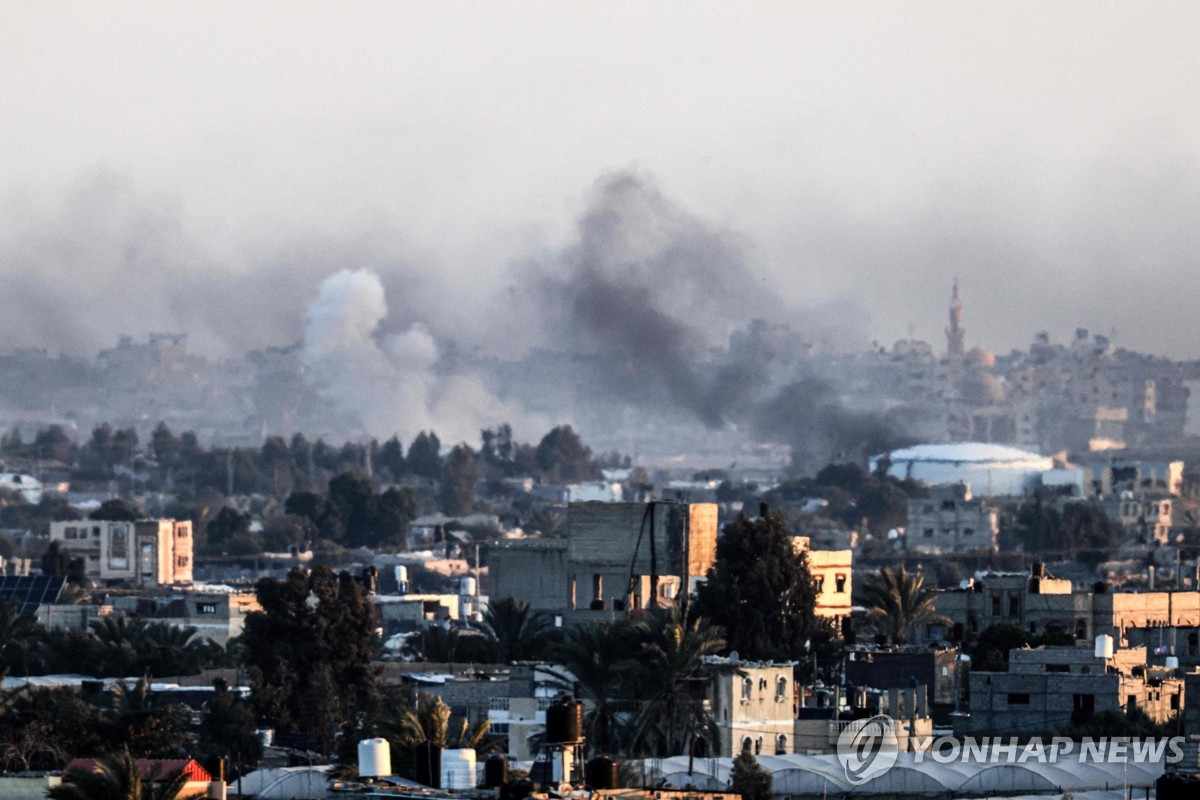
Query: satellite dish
[[733, 657]]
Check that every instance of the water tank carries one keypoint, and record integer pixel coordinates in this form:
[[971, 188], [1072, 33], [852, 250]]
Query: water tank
[[1038, 570], [467, 586], [601, 773], [401, 579], [458, 769], [564, 722], [429, 764], [1172, 662], [495, 771], [1100, 587], [1104, 646], [374, 758]]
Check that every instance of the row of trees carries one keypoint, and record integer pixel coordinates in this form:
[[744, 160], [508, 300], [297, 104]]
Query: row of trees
[[116, 645]]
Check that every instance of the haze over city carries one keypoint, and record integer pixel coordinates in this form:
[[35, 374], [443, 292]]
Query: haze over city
[[210, 167]]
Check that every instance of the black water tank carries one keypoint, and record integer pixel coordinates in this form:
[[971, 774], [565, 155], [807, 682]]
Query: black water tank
[[1038, 570], [1100, 587], [429, 764], [495, 771], [564, 722], [601, 773]]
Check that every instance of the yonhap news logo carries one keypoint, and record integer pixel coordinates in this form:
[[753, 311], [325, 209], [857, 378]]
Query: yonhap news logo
[[868, 748]]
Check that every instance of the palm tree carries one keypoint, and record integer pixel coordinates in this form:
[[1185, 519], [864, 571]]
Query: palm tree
[[669, 671], [897, 602], [429, 720], [116, 777], [518, 632], [595, 656]]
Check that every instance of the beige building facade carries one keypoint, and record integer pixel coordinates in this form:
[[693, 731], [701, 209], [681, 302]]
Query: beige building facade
[[149, 551]]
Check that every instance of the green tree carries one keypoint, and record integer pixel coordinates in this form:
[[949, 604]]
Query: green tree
[[45, 728], [760, 590], [518, 632], [227, 729], [117, 510], [136, 724], [424, 456], [19, 637], [989, 653], [456, 493], [308, 653], [749, 779], [117, 777], [897, 602], [668, 664], [596, 656], [563, 457]]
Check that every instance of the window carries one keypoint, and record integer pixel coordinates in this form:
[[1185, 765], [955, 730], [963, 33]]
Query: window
[[747, 688], [118, 547], [840, 584], [947, 505], [758, 746], [747, 745], [929, 532], [780, 688], [1085, 706], [71, 532], [996, 600], [181, 562], [762, 684], [1081, 628], [1058, 668], [968, 531], [781, 745], [820, 581], [1018, 698], [206, 608], [1014, 606], [181, 532], [1175, 702], [1033, 628]]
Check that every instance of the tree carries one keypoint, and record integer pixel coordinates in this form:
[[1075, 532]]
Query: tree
[[518, 632], [143, 729], [42, 729], [749, 779], [760, 590], [225, 528], [596, 656], [391, 457], [990, 651], [562, 457], [19, 635], [897, 602], [227, 728], [117, 510], [308, 652], [459, 474], [424, 456], [117, 777], [669, 662]]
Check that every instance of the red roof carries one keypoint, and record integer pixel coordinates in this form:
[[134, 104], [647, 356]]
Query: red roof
[[152, 769]]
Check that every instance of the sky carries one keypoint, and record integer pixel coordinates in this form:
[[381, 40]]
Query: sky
[[205, 166]]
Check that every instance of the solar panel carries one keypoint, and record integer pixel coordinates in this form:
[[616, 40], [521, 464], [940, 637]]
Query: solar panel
[[31, 591]]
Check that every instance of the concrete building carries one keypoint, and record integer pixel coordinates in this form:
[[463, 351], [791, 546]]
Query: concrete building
[[614, 558], [216, 612], [149, 551], [1166, 622], [753, 707], [1146, 515], [833, 572], [951, 520], [1048, 687]]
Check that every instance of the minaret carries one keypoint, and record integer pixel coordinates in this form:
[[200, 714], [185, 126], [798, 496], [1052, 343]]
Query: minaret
[[956, 332]]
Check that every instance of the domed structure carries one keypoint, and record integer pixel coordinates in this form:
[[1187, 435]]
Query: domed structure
[[989, 469], [978, 358]]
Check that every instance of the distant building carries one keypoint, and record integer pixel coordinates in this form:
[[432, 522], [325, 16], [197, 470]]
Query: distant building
[[609, 559], [950, 520], [991, 469], [149, 551], [833, 572], [1048, 687], [1146, 515], [753, 707]]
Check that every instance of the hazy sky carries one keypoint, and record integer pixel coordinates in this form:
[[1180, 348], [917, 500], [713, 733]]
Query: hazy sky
[[1045, 153]]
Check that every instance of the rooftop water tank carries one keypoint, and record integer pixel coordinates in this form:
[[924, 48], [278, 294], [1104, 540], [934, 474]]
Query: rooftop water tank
[[374, 758], [1104, 646], [458, 769], [564, 722], [467, 586]]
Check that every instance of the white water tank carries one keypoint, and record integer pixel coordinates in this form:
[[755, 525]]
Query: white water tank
[[458, 769], [374, 758], [401, 579], [467, 586], [1172, 662], [1104, 646]]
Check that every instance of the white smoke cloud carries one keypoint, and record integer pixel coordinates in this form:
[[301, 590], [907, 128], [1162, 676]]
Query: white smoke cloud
[[387, 384]]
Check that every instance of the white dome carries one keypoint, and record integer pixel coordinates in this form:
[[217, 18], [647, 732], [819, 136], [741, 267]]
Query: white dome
[[989, 469]]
